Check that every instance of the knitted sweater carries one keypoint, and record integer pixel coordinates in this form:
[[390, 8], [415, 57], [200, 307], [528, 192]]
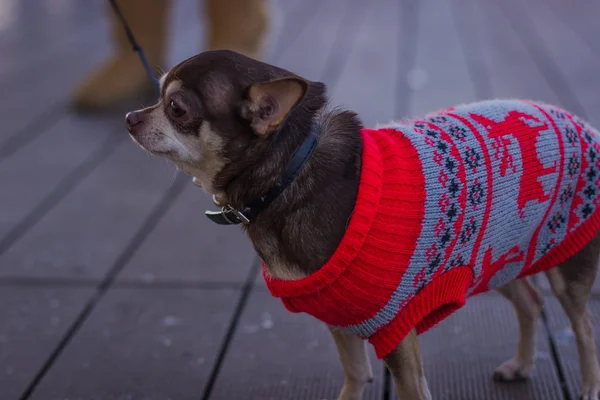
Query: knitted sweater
[[458, 203]]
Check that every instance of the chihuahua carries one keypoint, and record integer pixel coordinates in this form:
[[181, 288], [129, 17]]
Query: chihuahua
[[381, 233]]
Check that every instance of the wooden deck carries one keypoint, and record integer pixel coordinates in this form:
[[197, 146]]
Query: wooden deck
[[113, 285]]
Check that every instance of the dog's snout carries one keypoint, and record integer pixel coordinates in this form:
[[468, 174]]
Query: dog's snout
[[133, 118]]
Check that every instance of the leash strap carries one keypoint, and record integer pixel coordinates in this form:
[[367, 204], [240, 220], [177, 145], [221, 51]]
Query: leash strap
[[136, 47]]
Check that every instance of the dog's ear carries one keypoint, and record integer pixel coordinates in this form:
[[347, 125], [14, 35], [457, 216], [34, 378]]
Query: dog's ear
[[269, 103]]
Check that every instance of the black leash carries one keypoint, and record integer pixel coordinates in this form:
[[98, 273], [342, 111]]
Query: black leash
[[136, 47]]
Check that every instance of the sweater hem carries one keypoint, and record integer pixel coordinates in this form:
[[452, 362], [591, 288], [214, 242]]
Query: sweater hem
[[436, 301], [569, 246]]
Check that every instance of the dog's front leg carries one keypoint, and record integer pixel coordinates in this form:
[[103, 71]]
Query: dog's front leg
[[406, 368], [355, 361]]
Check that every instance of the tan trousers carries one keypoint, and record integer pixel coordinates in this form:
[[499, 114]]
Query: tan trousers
[[239, 25]]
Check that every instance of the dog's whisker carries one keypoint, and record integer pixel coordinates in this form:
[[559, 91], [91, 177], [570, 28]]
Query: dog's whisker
[[173, 177]]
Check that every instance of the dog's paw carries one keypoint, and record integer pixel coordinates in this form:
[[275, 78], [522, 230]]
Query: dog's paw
[[513, 370], [354, 390], [351, 394], [591, 391]]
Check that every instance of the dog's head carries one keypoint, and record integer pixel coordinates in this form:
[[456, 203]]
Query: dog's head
[[213, 109]]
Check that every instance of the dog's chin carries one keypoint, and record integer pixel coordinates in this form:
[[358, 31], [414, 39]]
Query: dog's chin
[[170, 154]]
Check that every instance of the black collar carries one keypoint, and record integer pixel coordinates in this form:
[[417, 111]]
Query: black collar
[[230, 216]]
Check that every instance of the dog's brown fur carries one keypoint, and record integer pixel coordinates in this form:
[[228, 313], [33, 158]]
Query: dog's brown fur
[[233, 122]]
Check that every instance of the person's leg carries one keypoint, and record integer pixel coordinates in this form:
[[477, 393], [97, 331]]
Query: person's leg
[[238, 25], [123, 77]]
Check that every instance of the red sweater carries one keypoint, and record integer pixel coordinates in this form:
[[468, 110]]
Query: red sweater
[[456, 204]]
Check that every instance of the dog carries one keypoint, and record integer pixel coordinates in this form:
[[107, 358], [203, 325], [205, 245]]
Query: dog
[[382, 233]]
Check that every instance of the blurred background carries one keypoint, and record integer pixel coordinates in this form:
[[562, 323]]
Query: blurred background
[[113, 285]]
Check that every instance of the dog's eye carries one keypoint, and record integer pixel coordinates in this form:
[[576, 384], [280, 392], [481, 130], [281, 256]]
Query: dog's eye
[[176, 110]]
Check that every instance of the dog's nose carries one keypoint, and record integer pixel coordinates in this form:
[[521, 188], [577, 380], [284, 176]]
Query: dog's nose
[[133, 118]]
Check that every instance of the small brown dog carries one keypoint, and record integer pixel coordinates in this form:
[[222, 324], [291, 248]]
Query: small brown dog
[[313, 189]]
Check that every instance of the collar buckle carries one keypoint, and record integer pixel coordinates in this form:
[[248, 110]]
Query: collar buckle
[[231, 216], [228, 216], [240, 215]]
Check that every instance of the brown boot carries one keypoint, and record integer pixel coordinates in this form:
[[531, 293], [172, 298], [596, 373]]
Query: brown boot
[[239, 25], [123, 77]]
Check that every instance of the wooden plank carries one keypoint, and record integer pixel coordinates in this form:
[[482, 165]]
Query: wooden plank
[[511, 69], [151, 344], [469, 31], [31, 175], [34, 319], [279, 355], [353, 21], [42, 92], [85, 233], [525, 27], [32, 25], [22, 60], [407, 54], [201, 252], [581, 16], [307, 54], [440, 76], [367, 82], [574, 60]]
